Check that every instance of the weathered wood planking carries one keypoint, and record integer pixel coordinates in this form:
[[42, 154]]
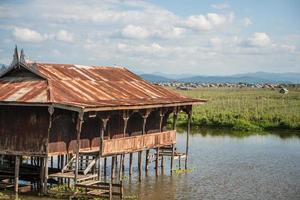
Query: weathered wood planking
[[138, 143]]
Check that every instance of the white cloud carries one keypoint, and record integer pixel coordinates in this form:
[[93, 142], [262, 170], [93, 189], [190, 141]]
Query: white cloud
[[145, 48], [220, 6], [27, 35], [135, 32], [64, 36], [208, 22], [216, 42], [144, 36], [247, 21], [259, 40]]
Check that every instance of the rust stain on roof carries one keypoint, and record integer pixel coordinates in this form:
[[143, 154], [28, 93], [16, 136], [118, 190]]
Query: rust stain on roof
[[84, 86]]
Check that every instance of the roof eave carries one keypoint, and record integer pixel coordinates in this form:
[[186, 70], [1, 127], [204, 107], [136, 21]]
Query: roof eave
[[133, 107]]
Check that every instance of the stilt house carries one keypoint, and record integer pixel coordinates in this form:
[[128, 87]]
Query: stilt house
[[64, 109]]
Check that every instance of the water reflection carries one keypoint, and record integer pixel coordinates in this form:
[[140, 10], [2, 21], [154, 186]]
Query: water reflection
[[240, 134]]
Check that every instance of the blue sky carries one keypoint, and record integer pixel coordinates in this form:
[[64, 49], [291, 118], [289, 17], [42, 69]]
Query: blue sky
[[192, 37]]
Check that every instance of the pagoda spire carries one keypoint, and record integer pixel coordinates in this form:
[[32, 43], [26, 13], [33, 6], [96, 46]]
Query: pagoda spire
[[15, 57], [22, 57]]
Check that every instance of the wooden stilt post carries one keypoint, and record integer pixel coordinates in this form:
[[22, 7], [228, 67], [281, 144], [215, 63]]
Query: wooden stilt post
[[140, 164], [45, 162], [123, 166], [130, 163], [78, 130], [42, 174], [161, 114], [156, 161], [113, 167], [140, 154], [17, 169], [58, 162], [120, 168], [116, 165], [102, 131], [147, 161], [187, 136], [174, 128], [125, 118], [51, 162], [105, 167], [45, 159]]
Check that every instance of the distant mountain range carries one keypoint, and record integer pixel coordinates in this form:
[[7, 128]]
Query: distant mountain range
[[257, 77]]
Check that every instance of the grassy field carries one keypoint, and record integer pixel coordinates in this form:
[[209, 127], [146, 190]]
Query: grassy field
[[245, 109]]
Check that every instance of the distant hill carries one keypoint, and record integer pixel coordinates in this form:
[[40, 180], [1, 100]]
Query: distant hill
[[257, 77], [154, 78]]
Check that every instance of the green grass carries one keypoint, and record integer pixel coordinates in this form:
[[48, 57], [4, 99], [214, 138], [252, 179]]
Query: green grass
[[246, 109]]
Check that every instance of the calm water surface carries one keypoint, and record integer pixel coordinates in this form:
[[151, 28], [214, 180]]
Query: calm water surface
[[226, 167]]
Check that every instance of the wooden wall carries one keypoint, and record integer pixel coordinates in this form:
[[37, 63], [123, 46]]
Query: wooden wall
[[23, 130]]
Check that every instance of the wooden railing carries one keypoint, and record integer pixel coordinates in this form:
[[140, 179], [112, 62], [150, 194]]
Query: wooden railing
[[138, 143]]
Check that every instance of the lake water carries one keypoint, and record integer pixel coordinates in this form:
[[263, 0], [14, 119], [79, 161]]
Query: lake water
[[226, 167]]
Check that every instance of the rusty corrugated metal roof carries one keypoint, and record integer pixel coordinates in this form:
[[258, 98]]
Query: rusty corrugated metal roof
[[85, 87]]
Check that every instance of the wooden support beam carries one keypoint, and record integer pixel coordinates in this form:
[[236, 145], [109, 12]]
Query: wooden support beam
[[156, 161], [45, 159], [51, 161], [113, 167], [78, 132], [161, 114], [105, 167], [42, 174], [122, 164], [140, 155], [120, 168], [147, 161], [116, 165], [130, 163], [102, 131], [17, 170], [187, 136], [175, 114], [45, 163]]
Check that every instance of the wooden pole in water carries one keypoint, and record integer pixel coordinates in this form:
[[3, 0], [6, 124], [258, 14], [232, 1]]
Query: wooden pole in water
[[78, 130], [187, 136], [125, 118], [42, 174], [130, 163], [140, 153], [113, 167], [45, 188], [147, 161], [17, 169], [102, 130], [161, 114], [140, 164], [156, 161], [105, 166], [116, 165], [174, 128]]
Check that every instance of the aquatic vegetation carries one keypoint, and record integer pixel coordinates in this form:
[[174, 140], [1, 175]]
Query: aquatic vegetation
[[3, 196], [245, 109], [183, 171], [131, 197]]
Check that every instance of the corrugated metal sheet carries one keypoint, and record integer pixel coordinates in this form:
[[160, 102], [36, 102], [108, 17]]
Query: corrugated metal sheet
[[85, 86]]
